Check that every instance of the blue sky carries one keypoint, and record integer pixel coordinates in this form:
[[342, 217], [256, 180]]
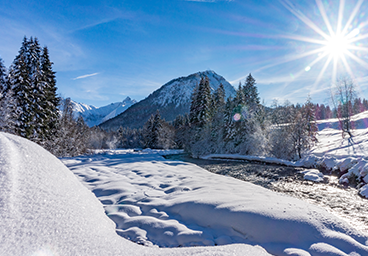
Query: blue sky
[[104, 51]]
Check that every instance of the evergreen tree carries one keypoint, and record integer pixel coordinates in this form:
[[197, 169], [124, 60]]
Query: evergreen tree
[[8, 112], [250, 92], [200, 109], [21, 85], [239, 99], [51, 101], [3, 80], [219, 98], [151, 131]]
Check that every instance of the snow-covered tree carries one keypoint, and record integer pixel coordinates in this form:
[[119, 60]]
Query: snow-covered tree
[[157, 133], [23, 91], [47, 90], [342, 98], [250, 92], [3, 80], [72, 135], [200, 109]]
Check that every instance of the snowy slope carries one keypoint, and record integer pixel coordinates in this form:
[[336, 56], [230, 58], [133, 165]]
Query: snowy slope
[[45, 210], [172, 203], [171, 99], [94, 116], [179, 91]]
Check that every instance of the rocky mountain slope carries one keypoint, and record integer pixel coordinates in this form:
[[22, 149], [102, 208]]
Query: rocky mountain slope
[[94, 116], [172, 99]]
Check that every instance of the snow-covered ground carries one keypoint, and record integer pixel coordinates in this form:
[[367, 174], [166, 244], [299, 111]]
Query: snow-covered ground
[[45, 210], [171, 203]]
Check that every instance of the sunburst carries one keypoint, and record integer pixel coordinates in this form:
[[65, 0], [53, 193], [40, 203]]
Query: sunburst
[[337, 46]]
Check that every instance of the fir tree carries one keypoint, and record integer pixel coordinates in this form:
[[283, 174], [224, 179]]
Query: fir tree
[[200, 109], [3, 80], [152, 131], [51, 102], [21, 85], [250, 92]]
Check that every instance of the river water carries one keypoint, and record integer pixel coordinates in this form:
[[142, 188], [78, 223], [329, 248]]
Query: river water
[[338, 199]]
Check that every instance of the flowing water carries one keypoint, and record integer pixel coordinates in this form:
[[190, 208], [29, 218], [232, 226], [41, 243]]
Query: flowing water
[[338, 199]]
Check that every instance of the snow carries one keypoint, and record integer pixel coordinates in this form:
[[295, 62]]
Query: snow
[[45, 210], [171, 203], [313, 175], [179, 91], [48, 209], [94, 116]]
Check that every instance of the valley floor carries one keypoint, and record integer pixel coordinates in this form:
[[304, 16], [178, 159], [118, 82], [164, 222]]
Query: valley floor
[[156, 202]]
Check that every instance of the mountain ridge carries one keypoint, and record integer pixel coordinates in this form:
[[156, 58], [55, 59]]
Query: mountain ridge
[[96, 115], [171, 99]]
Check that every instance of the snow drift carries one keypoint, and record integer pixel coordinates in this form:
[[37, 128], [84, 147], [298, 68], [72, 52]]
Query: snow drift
[[171, 203], [45, 210]]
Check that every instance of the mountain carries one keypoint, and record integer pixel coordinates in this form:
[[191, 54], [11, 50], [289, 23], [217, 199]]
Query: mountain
[[172, 99], [94, 116]]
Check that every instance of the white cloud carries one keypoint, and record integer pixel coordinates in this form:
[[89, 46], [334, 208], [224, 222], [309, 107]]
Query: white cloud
[[85, 76]]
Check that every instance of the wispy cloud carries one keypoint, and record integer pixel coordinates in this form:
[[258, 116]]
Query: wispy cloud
[[85, 76]]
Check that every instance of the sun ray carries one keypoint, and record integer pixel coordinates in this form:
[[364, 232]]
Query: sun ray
[[304, 18], [334, 70], [323, 70], [291, 58], [315, 61], [352, 16], [347, 67], [358, 38], [324, 16], [340, 16], [358, 48], [360, 61], [305, 39]]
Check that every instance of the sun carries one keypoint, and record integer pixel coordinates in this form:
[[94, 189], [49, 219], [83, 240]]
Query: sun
[[338, 44]]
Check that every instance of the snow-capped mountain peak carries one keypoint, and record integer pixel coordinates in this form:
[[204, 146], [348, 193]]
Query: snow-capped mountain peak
[[179, 90], [94, 116]]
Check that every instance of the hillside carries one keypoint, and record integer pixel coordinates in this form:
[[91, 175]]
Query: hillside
[[172, 99]]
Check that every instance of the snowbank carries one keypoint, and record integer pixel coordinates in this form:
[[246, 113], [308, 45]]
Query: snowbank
[[45, 210], [172, 203]]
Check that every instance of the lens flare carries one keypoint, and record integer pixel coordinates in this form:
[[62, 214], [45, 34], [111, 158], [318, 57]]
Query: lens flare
[[237, 117]]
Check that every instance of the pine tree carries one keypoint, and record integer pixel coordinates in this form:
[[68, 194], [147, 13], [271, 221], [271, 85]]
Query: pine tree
[[252, 99], [21, 84], [200, 109], [51, 101], [152, 130], [3, 80]]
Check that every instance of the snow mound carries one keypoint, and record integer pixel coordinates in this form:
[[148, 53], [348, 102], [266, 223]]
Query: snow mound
[[45, 210], [313, 175], [171, 203]]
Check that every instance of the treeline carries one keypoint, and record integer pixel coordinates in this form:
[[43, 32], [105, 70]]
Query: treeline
[[243, 125]]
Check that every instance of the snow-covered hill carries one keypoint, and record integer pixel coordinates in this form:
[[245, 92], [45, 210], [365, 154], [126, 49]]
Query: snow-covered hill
[[94, 116], [172, 99]]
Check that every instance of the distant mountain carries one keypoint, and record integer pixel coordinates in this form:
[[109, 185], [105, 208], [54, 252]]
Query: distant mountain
[[172, 99], [94, 116]]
